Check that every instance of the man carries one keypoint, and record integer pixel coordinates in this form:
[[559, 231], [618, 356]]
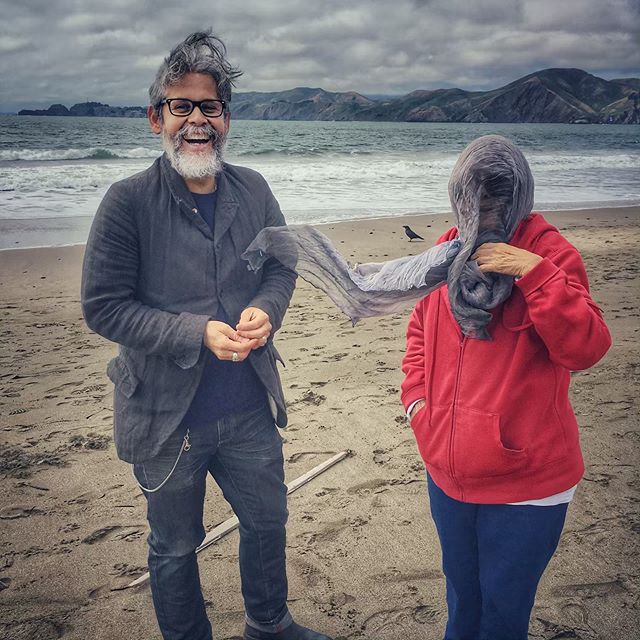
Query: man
[[196, 385]]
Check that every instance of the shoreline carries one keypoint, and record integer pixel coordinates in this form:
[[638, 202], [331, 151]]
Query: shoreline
[[362, 552], [623, 208]]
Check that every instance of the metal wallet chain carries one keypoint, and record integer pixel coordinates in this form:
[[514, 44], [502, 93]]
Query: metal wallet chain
[[185, 447]]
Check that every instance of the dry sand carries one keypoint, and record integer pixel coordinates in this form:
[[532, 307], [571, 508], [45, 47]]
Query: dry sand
[[363, 557]]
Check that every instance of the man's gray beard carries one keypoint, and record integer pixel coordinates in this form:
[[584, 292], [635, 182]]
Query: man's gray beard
[[192, 166]]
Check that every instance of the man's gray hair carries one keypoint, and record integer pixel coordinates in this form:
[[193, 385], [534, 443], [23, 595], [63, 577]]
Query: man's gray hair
[[200, 52]]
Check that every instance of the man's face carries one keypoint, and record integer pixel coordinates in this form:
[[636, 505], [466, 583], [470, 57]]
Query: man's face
[[194, 143]]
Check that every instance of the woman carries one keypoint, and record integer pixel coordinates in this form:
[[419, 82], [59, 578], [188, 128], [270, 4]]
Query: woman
[[487, 372]]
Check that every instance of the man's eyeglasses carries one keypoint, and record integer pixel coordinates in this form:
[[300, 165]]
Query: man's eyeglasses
[[183, 107]]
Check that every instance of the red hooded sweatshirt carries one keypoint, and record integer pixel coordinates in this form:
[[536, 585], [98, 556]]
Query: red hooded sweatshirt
[[498, 426]]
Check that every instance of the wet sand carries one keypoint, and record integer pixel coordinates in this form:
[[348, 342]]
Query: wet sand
[[363, 558]]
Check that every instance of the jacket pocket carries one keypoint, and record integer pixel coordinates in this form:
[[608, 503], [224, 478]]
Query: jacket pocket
[[478, 449], [122, 377], [263, 362]]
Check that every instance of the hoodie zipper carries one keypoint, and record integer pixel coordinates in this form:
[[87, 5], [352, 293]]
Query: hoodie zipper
[[453, 416]]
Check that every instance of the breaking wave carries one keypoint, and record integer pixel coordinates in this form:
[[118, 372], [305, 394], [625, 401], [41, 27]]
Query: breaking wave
[[92, 153]]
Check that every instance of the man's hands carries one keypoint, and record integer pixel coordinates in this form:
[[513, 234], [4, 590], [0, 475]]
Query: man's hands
[[252, 332], [224, 341], [498, 257], [254, 325]]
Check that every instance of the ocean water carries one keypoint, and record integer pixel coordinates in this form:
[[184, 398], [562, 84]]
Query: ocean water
[[55, 170]]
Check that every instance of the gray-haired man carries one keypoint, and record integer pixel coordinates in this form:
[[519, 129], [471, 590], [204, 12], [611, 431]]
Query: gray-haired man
[[196, 385]]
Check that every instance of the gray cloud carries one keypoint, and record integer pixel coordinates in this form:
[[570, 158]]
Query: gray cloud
[[73, 50]]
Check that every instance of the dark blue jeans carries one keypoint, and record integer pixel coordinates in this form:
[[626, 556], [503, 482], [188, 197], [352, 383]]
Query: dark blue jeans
[[243, 453], [493, 556]]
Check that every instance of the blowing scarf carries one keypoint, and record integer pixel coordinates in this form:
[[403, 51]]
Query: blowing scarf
[[491, 192]]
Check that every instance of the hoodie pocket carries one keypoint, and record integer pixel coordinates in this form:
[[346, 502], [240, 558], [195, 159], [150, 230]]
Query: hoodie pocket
[[478, 449], [431, 426]]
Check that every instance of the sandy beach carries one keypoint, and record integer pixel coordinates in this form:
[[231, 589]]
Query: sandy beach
[[363, 557]]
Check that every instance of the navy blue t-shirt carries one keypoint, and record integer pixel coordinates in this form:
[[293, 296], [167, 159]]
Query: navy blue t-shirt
[[225, 387]]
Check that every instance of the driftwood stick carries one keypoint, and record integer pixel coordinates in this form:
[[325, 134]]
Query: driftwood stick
[[232, 523]]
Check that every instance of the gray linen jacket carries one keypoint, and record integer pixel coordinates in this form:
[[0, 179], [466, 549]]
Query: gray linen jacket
[[154, 274]]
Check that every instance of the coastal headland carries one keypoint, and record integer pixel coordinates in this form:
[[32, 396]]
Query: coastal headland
[[549, 95]]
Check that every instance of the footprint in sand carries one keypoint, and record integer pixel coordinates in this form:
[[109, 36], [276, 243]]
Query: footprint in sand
[[599, 478], [124, 569], [62, 387], [119, 583], [370, 486], [381, 456], [100, 534], [89, 496], [330, 531], [18, 511], [325, 491], [402, 620], [395, 575], [116, 532], [591, 589], [90, 389], [311, 574], [309, 397], [542, 628]]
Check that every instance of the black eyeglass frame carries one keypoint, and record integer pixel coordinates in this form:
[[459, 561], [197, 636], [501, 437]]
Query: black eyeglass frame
[[194, 104]]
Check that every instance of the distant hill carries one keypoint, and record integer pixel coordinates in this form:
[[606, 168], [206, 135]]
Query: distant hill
[[301, 103], [94, 109], [550, 95]]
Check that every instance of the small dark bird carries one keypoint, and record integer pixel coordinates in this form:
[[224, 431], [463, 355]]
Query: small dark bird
[[411, 234]]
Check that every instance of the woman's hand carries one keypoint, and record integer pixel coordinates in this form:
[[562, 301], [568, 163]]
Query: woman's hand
[[416, 407], [499, 257]]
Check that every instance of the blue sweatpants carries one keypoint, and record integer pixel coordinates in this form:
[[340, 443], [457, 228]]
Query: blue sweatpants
[[493, 556]]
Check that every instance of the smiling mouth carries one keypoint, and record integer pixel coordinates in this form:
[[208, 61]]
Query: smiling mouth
[[200, 141]]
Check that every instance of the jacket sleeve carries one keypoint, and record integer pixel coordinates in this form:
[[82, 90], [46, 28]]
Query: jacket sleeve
[[278, 281], [565, 317], [109, 281], [412, 387]]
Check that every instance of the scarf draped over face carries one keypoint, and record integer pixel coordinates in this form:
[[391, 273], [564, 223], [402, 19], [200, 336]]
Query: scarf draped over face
[[491, 192]]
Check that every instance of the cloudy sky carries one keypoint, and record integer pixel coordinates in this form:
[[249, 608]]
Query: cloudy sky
[[69, 51]]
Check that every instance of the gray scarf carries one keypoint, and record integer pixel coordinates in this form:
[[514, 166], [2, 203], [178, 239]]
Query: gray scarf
[[491, 192]]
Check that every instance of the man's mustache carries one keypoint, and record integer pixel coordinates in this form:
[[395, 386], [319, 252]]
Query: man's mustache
[[191, 131]]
